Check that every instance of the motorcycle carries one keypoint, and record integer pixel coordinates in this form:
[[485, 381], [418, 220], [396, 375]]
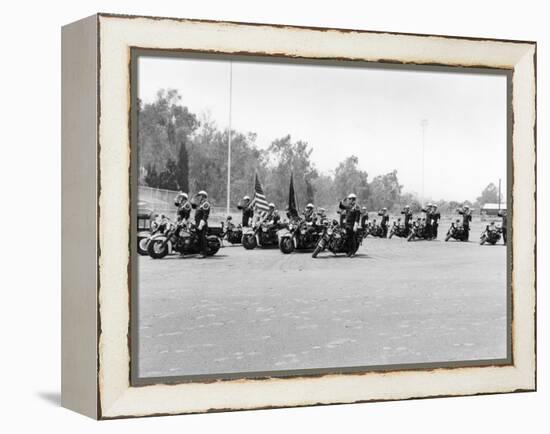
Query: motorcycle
[[399, 230], [334, 239], [263, 234], [180, 238], [490, 235], [232, 233], [376, 230], [300, 235], [158, 226], [419, 231], [457, 232]]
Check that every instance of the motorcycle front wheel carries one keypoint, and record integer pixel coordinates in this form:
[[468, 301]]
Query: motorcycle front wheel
[[249, 241], [448, 237], [157, 249], [142, 246], [213, 246], [286, 245]]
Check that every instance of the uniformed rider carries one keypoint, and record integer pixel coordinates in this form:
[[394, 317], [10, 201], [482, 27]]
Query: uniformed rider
[[384, 221], [309, 213], [183, 207], [436, 216], [364, 217], [202, 212], [428, 220], [408, 216], [503, 214], [466, 219], [351, 221], [247, 210], [271, 217]]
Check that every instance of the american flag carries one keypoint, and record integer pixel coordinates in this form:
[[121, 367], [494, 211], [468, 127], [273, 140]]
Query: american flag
[[259, 200]]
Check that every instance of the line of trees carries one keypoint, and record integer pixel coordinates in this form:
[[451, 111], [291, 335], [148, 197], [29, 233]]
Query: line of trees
[[177, 150]]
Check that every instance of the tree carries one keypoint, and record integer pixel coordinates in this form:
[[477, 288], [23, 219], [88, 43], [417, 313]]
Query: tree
[[348, 178], [385, 191], [488, 195], [182, 168]]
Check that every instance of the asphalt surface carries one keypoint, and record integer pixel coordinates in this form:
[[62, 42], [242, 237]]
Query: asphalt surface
[[395, 302]]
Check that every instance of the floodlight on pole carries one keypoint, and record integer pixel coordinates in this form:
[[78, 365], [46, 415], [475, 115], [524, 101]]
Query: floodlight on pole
[[423, 125], [229, 136]]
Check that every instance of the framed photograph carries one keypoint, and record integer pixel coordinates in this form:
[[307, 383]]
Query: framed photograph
[[262, 216]]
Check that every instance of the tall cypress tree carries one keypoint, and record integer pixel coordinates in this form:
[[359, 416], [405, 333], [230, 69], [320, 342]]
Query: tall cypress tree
[[182, 168]]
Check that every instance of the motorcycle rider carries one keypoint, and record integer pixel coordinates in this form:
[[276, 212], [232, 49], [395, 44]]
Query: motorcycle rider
[[322, 216], [309, 214], [351, 221], [247, 210], [364, 217], [271, 217], [466, 219], [436, 216], [201, 221], [503, 214], [406, 211], [184, 207], [384, 221]]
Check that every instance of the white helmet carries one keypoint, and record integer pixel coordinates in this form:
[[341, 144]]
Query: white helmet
[[184, 195], [246, 197], [466, 207], [203, 193], [309, 206], [271, 205], [352, 196]]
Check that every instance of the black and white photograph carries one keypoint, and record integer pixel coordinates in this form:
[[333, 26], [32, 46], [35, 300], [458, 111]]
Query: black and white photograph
[[297, 217]]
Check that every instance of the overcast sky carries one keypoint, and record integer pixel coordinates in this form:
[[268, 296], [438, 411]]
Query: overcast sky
[[340, 111]]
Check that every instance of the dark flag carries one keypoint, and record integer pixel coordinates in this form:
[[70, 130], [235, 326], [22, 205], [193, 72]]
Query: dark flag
[[259, 200], [292, 205]]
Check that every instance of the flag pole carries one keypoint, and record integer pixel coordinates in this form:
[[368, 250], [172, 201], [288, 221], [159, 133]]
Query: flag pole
[[229, 136]]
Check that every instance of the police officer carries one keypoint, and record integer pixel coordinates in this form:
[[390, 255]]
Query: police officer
[[271, 216], [364, 217], [466, 219], [351, 221], [309, 214], [503, 214], [184, 207], [408, 215], [201, 221], [322, 216], [384, 221], [248, 211], [428, 220], [436, 216]]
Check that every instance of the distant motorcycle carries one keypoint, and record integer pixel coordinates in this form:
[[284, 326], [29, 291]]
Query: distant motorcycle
[[490, 235], [233, 234], [180, 238], [419, 231], [457, 232], [299, 235], [376, 230], [333, 238], [399, 230]]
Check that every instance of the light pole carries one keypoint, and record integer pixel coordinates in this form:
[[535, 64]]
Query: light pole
[[229, 136], [423, 125]]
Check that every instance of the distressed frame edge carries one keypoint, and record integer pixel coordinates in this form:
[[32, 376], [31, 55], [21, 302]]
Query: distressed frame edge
[[529, 386], [79, 141]]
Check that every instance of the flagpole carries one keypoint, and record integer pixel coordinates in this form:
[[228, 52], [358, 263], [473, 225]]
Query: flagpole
[[229, 136]]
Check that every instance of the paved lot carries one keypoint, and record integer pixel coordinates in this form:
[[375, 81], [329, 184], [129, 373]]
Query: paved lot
[[395, 302]]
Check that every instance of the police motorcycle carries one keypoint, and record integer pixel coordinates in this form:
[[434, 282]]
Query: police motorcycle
[[456, 231], [157, 226], [233, 234], [491, 234], [299, 234], [263, 233], [398, 229], [333, 238], [419, 231], [375, 230]]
